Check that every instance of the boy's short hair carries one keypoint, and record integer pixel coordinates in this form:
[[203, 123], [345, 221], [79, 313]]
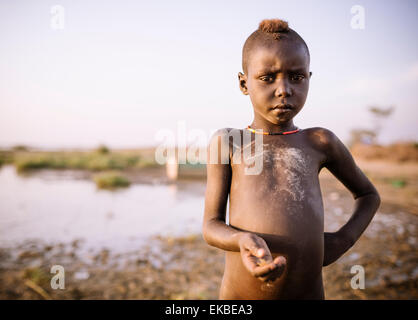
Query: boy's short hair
[[269, 30]]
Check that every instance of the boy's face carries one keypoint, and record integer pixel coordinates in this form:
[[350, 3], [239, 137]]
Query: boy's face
[[277, 80]]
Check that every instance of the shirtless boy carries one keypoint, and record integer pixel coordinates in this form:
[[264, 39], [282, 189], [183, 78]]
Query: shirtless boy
[[275, 242]]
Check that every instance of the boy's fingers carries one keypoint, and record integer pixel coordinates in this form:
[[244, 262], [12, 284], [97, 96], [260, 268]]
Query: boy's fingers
[[261, 271], [252, 264], [262, 256], [280, 260], [267, 272], [261, 251], [250, 261], [275, 274]]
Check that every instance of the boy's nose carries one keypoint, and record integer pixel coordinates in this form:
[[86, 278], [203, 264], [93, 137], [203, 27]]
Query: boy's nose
[[283, 89]]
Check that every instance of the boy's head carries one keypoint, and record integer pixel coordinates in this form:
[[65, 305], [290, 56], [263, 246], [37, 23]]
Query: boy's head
[[275, 61]]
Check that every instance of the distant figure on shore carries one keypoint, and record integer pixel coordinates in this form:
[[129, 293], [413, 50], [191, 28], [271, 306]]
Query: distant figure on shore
[[275, 242]]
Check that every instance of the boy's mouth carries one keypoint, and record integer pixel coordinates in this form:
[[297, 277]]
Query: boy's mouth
[[282, 107]]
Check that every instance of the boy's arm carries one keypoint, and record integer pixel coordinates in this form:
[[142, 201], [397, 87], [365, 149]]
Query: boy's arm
[[341, 164], [215, 230]]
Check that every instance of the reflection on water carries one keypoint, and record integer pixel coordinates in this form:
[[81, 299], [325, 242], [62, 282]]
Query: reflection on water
[[52, 207]]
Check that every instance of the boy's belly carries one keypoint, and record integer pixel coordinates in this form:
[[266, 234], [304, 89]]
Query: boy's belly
[[292, 226], [296, 283]]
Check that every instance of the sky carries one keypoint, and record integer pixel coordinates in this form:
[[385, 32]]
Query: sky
[[121, 72]]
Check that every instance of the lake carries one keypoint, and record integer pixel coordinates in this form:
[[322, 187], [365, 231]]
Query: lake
[[54, 206]]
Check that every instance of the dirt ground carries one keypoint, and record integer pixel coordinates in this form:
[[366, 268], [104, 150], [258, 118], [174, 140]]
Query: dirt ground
[[187, 268]]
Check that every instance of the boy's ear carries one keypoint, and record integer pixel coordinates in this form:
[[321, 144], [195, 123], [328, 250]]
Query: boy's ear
[[243, 83], [310, 74]]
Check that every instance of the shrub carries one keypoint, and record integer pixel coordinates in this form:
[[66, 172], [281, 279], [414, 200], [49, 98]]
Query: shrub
[[111, 180]]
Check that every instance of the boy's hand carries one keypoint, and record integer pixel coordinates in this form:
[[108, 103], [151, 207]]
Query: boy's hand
[[335, 245], [257, 258]]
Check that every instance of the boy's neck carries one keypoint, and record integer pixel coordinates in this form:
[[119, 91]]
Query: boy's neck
[[271, 127]]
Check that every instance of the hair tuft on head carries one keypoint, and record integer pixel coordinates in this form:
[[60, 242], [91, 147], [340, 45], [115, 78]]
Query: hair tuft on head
[[269, 30], [273, 26]]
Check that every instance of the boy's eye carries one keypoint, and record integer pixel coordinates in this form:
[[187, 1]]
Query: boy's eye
[[297, 77], [266, 78]]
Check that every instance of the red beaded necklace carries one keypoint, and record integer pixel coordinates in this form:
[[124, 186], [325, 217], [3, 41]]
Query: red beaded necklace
[[273, 133]]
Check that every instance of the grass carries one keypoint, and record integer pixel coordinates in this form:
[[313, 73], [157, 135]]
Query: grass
[[37, 275], [398, 183], [5, 157], [103, 149], [111, 180], [20, 148], [99, 160]]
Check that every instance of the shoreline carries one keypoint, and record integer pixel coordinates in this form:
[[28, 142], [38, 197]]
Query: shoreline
[[176, 268]]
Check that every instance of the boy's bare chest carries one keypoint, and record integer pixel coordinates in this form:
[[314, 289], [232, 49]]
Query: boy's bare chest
[[276, 167], [274, 158]]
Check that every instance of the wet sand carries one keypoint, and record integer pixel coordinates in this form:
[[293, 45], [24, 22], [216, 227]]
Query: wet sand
[[187, 268]]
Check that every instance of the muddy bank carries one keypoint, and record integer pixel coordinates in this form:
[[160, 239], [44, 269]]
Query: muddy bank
[[165, 268], [187, 268]]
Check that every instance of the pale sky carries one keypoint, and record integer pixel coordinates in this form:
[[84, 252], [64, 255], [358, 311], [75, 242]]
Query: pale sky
[[120, 71]]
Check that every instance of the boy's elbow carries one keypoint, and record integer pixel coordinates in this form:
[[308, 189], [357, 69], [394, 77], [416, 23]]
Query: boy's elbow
[[206, 232], [209, 232], [371, 193], [378, 199], [374, 198]]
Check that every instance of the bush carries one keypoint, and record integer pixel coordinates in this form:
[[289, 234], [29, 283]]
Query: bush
[[29, 163], [111, 180], [102, 149], [94, 161], [20, 148]]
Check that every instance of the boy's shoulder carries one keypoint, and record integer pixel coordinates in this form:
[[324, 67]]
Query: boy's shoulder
[[324, 140], [321, 136]]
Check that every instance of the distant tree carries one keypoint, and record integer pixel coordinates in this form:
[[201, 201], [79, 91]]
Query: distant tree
[[363, 136], [379, 116], [370, 136]]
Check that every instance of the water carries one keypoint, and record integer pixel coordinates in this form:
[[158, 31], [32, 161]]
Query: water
[[54, 207], [58, 207]]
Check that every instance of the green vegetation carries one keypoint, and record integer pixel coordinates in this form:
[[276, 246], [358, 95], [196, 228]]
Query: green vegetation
[[98, 160], [398, 183], [111, 180], [37, 275], [101, 159], [5, 157], [103, 149], [20, 148]]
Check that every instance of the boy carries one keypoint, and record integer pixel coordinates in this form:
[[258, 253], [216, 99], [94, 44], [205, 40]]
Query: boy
[[275, 242]]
